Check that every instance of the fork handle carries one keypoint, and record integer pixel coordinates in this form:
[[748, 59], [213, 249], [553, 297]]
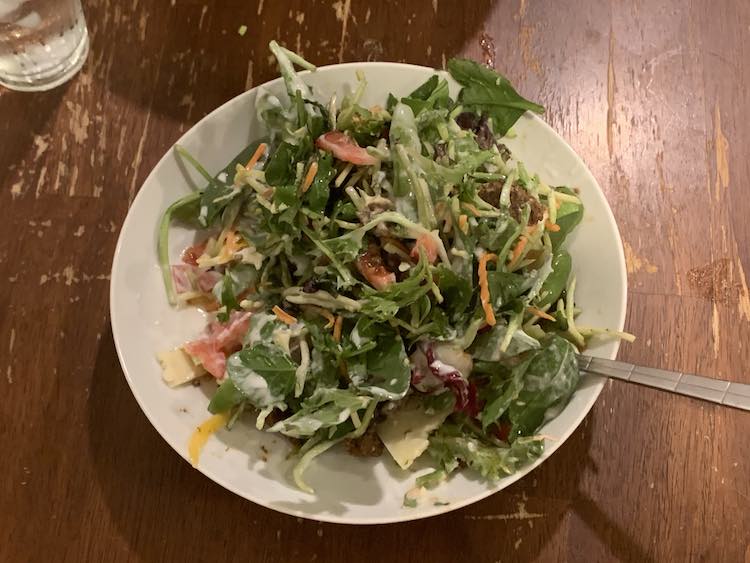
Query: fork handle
[[727, 393]]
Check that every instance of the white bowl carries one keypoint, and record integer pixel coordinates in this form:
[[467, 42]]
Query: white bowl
[[348, 489]]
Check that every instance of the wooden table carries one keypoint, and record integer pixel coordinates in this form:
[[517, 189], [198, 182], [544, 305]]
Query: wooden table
[[653, 95]]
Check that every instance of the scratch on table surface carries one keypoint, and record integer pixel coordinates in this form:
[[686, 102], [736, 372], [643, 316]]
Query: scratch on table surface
[[722, 146], [249, 77], [435, 6], [342, 9], [40, 181], [744, 293], [526, 40], [74, 181], [663, 186], [522, 514], [522, 9], [143, 22], [635, 263], [715, 323], [15, 189], [79, 231], [41, 144], [367, 16], [610, 91], [204, 11], [121, 143], [260, 7], [79, 122], [300, 18], [135, 167]]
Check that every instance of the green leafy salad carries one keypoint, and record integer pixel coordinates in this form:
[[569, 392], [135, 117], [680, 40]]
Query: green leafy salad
[[386, 277]]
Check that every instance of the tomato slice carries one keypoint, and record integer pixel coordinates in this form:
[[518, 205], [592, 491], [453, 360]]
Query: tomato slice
[[345, 148]]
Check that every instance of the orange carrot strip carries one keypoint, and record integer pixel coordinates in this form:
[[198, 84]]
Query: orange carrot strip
[[484, 288], [463, 223], [471, 208], [256, 156], [516, 254], [311, 172], [283, 316], [554, 227], [540, 313], [337, 328]]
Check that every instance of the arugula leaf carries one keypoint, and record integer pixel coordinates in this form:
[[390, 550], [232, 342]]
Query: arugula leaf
[[265, 374], [550, 380], [326, 408], [449, 446], [490, 93]]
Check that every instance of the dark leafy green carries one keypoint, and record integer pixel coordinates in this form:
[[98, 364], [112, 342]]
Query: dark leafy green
[[489, 93]]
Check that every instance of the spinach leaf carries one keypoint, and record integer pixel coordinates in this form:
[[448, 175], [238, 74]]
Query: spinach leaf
[[490, 93], [487, 345], [568, 216], [430, 95], [384, 370], [265, 374], [457, 291], [318, 193], [557, 280], [496, 405], [549, 381], [226, 397], [504, 287], [280, 167]]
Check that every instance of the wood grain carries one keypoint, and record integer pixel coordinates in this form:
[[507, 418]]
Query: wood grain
[[653, 95]]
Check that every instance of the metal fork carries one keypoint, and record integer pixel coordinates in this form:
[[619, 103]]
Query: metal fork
[[735, 395]]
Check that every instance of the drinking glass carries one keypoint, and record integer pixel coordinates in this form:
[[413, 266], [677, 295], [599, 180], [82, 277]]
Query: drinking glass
[[43, 43]]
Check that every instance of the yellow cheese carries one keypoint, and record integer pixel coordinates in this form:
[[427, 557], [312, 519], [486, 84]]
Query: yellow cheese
[[202, 434], [406, 430], [178, 367]]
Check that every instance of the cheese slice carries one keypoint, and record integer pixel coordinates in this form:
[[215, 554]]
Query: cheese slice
[[406, 430], [178, 367]]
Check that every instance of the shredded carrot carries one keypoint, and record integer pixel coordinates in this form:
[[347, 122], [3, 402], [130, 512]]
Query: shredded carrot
[[540, 313], [532, 229], [325, 313], [283, 316], [337, 328], [463, 223], [256, 156], [516, 254], [311, 172], [554, 227], [471, 208], [484, 288]]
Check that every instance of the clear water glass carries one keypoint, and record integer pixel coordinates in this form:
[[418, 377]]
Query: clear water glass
[[43, 43]]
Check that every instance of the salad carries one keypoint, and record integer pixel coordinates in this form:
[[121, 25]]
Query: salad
[[389, 278]]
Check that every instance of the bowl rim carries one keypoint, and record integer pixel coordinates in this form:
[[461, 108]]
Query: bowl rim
[[405, 516]]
